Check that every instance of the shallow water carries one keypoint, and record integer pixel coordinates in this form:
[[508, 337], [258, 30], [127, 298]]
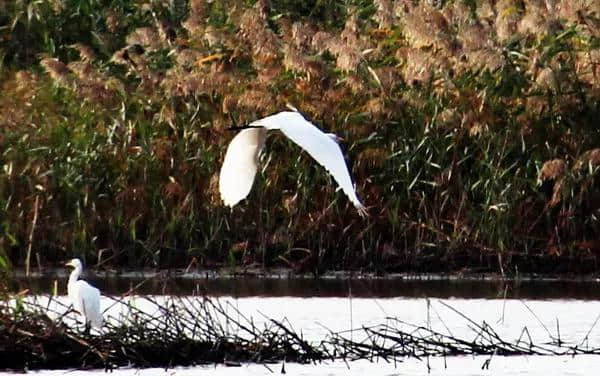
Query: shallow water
[[319, 307], [315, 318]]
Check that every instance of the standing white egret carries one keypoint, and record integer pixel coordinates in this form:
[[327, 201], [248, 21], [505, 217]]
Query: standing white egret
[[85, 298], [241, 159]]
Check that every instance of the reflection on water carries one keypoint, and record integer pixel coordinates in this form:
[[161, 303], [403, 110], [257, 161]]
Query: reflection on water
[[327, 287]]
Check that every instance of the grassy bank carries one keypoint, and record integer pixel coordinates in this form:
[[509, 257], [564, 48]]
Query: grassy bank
[[471, 128]]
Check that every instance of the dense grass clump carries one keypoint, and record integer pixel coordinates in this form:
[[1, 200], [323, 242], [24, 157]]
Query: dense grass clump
[[471, 128]]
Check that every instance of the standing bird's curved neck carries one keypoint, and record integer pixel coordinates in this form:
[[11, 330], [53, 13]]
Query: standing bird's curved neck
[[75, 274]]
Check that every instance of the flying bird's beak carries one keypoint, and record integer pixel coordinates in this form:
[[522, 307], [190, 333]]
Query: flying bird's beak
[[68, 263], [242, 127]]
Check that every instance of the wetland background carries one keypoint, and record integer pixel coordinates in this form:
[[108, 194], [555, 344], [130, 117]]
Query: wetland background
[[471, 129]]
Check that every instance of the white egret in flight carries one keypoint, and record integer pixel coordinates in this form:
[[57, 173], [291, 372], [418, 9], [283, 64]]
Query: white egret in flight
[[85, 298], [241, 159]]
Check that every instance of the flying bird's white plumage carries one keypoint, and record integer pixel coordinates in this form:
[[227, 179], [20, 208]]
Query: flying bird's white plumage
[[241, 159], [240, 165], [85, 298]]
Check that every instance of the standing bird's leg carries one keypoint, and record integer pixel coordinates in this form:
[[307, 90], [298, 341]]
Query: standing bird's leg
[[88, 324]]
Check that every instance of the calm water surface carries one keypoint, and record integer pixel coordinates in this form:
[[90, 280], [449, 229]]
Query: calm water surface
[[316, 307], [316, 317], [325, 287]]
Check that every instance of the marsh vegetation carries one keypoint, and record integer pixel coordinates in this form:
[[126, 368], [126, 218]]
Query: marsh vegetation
[[471, 128]]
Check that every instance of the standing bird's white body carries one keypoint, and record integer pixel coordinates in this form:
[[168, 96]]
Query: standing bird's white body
[[241, 159], [85, 298]]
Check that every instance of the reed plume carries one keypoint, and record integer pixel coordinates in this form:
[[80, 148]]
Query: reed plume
[[255, 30], [508, 15], [57, 70], [146, 37], [384, 14], [552, 170]]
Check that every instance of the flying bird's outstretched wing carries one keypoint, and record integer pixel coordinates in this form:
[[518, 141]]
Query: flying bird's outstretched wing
[[240, 165], [321, 146]]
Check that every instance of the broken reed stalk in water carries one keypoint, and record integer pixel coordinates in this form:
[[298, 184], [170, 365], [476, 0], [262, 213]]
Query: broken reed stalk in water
[[202, 330]]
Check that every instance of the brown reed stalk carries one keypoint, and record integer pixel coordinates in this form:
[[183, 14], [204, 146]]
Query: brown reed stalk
[[30, 240]]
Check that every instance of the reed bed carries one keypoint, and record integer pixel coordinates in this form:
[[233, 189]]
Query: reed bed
[[178, 331], [197, 331], [397, 338], [471, 129]]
